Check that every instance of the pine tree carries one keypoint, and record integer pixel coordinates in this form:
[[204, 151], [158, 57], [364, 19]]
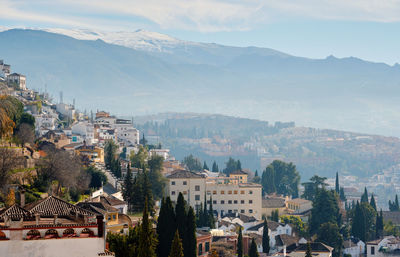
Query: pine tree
[[147, 240], [240, 244], [189, 241], [166, 225], [364, 197], [265, 238], [253, 249], [205, 167], [372, 202], [308, 251], [180, 210], [337, 183], [176, 247]]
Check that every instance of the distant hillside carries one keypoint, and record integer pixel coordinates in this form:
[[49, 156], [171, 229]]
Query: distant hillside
[[261, 83], [257, 143]]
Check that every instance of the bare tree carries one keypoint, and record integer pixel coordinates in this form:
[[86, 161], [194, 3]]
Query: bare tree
[[25, 134], [9, 160], [61, 166]]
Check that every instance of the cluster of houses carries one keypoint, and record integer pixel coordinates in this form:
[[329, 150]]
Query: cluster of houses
[[50, 225]]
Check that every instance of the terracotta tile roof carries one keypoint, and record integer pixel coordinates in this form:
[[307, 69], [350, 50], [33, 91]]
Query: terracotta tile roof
[[284, 239], [15, 212], [53, 205], [315, 247], [185, 174], [272, 225], [275, 202]]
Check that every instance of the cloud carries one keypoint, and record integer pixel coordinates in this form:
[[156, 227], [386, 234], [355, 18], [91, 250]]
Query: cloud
[[198, 15]]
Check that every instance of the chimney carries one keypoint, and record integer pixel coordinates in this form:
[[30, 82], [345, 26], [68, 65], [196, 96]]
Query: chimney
[[22, 196], [55, 219], [37, 218]]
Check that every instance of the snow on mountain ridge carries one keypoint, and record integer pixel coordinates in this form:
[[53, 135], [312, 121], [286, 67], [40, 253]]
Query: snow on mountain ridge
[[139, 39]]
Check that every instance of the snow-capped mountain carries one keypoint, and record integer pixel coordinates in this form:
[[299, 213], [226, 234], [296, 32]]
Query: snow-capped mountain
[[139, 39]]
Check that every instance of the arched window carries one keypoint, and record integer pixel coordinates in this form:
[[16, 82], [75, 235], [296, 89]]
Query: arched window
[[86, 233], [69, 232], [33, 234], [51, 233], [2, 235]]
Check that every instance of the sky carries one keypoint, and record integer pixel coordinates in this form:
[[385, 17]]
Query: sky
[[368, 29]]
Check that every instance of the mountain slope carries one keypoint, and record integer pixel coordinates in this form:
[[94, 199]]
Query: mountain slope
[[348, 93]]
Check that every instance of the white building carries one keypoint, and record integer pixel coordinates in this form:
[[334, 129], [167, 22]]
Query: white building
[[274, 229], [354, 247], [387, 246], [85, 130], [227, 195], [18, 80], [44, 123], [160, 152], [66, 110]]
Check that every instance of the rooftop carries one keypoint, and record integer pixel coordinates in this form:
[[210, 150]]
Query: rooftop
[[185, 174]]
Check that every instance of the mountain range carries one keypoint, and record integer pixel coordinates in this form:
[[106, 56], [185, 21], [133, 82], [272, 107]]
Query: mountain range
[[141, 72]]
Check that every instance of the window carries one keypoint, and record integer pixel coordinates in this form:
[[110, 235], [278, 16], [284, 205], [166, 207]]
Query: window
[[235, 192], [250, 192], [372, 250], [173, 193], [235, 201], [197, 188], [250, 201], [222, 192], [250, 210], [208, 192], [208, 201], [184, 183], [184, 192], [173, 183], [229, 192], [197, 197], [114, 218], [242, 192], [222, 202], [214, 201], [241, 211], [207, 247], [214, 192], [229, 211], [230, 202], [242, 201]]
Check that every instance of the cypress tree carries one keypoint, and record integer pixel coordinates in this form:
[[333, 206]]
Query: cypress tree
[[127, 189], [379, 225], [256, 173], [253, 249], [364, 197], [358, 223], [200, 216], [372, 202], [176, 247], [206, 215], [396, 203], [342, 195], [147, 240], [189, 241], [205, 167], [337, 183], [265, 238], [166, 225], [215, 167], [211, 214], [308, 251], [240, 244], [148, 193], [180, 210]]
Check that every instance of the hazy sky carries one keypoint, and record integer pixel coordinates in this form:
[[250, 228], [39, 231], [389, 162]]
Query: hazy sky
[[369, 29]]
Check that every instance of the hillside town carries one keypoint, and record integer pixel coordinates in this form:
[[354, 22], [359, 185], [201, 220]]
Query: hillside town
[[89, 184]]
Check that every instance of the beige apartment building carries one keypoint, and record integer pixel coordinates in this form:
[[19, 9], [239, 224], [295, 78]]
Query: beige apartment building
[[227, 193]]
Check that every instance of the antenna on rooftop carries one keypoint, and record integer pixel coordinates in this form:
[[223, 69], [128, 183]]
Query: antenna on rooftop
[[61, 97], [73, 103]]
